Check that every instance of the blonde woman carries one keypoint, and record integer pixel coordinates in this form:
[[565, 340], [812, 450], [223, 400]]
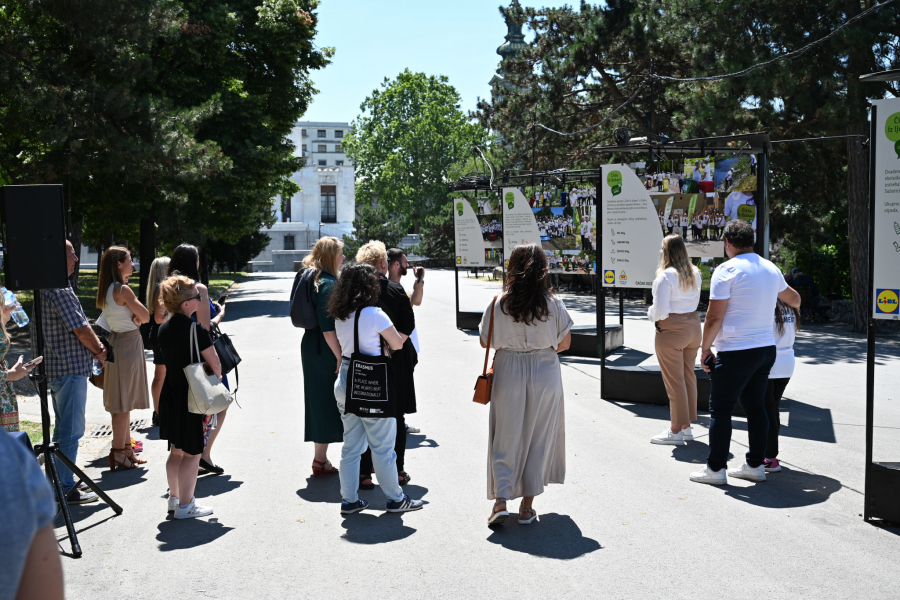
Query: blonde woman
[[676, 294], [9, 407], [125, 381], [320, 353], [157, 310]]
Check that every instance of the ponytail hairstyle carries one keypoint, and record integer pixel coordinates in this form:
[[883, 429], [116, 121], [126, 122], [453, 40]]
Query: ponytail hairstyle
[[109, 273]]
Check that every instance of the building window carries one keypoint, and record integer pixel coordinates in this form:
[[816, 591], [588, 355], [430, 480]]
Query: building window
[[304, 147], [329, 204], [338, 148], [322, 163], [339, 163], [321, 133], [323, 148], [303, 132], [338, 133], [289, 242]]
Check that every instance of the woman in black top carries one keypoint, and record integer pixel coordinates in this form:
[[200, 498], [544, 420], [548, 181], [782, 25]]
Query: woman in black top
[[157, 318], [183, 429]]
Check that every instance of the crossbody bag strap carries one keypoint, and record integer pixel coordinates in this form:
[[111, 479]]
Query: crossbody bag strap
[[487, 349], [356, 331]]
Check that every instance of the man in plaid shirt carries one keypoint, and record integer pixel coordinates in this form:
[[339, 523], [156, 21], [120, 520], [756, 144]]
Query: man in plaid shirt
[[70, 345]]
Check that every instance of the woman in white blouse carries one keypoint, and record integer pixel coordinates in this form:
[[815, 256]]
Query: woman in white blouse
[[676, 294]]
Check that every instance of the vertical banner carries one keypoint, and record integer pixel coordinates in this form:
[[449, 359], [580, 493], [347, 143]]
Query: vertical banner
[[631, 232], [519, 224], [468, 236], [886, 260]]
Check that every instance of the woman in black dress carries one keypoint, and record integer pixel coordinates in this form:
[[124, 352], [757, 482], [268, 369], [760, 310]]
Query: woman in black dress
[[183, 429]]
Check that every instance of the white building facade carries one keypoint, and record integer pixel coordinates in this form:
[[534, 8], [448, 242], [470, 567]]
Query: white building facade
[[326, 204]]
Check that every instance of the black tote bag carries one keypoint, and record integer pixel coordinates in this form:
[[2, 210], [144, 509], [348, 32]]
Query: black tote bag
[[370, 383]]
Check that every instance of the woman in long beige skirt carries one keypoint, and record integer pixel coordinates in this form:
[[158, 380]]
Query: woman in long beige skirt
[[527, 436], [125, 380], [676, 294]]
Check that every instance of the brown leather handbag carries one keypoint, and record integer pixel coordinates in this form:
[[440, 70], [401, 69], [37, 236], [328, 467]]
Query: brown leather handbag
[[486, 380]]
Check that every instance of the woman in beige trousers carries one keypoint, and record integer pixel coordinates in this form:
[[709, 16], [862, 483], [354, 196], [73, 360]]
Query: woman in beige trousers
[[676, 294]]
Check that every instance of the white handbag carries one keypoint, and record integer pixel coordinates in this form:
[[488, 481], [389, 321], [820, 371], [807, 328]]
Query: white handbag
[[207, 395]]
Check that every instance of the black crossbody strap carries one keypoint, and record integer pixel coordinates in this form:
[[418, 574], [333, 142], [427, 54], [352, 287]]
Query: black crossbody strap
[[356, 332]]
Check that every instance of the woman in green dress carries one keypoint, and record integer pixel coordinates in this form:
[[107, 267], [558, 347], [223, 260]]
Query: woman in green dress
[[321, 356]]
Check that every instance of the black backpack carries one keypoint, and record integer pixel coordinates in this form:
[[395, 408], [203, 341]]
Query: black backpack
[[303, 313]]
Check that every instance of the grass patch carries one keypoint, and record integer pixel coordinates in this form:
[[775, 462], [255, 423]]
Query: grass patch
[[33, 430]]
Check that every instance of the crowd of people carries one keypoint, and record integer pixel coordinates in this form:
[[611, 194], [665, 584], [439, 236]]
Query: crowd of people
[[705, 226], [576, 196], [752, 319], [491, 231], [556, 226]]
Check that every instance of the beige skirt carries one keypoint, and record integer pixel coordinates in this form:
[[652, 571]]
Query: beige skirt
[[125, 381]]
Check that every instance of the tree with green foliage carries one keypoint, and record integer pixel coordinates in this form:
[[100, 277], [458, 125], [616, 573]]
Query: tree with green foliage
[[373, 222], [409, 135]]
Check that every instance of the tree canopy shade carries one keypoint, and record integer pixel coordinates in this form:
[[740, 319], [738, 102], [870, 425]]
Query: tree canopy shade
[[584, 62], [410, 133]]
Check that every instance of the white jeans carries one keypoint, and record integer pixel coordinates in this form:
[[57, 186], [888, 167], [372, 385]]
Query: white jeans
[[360, 433]]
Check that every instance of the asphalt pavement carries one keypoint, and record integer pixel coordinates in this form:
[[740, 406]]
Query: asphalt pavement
[[627, 523]]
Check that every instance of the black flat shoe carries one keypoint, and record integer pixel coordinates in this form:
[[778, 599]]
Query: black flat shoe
[[366, 486], [214, 469], [404, 477], [154, 421]]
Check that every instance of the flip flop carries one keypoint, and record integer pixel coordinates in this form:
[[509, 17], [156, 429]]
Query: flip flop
[[528, 521], [498, 518]]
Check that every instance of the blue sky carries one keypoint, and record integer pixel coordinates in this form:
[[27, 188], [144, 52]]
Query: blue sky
[[375, 40]]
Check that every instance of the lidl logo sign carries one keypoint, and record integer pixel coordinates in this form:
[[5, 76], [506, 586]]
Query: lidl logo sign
[[609, 276], [459, 260], [887, 302]]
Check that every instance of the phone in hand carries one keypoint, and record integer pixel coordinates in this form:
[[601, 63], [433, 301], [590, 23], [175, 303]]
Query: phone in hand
[[222, 299], [34, 362], [419, 272], [710, 362]]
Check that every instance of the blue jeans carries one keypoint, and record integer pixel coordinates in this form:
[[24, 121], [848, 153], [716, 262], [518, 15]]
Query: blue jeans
[[69, 394], [361, 433], [739, 375]]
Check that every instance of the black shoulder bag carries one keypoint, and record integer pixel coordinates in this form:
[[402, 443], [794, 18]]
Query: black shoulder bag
[[370, 383], [228, 356]]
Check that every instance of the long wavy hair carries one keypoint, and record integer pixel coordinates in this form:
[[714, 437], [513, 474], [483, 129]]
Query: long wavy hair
[[356, 288], [525, 291], [779, 317], [184, 262], [158, 272], [675, 255], [324, 257], [109, 273]]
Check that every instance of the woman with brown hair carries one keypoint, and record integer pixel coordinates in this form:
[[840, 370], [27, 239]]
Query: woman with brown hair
[[676, 294], [125, 380], [526, 437], [320, 353]]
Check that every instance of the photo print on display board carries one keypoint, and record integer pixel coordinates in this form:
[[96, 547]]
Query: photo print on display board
[[470, 250], [699, 175], [567, 225]]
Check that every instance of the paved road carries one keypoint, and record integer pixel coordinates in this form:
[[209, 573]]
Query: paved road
[[627, 523]]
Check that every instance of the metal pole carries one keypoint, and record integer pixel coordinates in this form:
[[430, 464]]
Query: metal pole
[[870, 329], [601, 291], [622, 306], [650, 139], [762, 216]]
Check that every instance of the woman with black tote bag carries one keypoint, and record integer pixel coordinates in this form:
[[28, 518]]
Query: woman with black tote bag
[[364, 388]]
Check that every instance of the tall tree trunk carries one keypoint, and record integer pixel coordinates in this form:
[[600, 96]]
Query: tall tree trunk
[[858, 225], [147, 248], [204, 267], [77, 225]]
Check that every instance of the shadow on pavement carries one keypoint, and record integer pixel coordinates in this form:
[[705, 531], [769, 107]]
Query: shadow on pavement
[[788, 489], [117, 480], [256, 308], [321, 489], [626, 357], [213, 485], [694, 452], [551, 536], [366, 528], [188, 533], [418, 440]]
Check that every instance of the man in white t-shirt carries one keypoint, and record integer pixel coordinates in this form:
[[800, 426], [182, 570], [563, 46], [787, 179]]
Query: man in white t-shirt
[[742, 297]]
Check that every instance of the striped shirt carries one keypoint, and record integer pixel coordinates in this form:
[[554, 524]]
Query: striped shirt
[[64, 353]]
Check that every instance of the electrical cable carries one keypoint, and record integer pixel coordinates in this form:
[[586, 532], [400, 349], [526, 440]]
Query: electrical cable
[[607, 118]]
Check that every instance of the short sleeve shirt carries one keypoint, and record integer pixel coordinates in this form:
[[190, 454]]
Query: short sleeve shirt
[[64, 354], [372, 321], [395, 303], [751, 285]]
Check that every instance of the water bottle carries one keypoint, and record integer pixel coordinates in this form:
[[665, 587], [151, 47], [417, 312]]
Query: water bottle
[[18, 315], [9, 297], [96, 367]]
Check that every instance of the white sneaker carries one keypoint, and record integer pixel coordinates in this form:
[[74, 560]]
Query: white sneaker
[[173, 503], [668, 438], [411, 429], [688, 434], [192, 511], [749, 473], [707, 475]]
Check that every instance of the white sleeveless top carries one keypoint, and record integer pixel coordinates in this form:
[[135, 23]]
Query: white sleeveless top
[[118, 317]]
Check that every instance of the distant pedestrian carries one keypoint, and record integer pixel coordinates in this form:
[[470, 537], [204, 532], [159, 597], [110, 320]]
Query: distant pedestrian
[[157, 310], [676, 294], [320, 353], [753, 164], [526, 435], [353, 306], [125, 380], [182, 428], [742, 299]]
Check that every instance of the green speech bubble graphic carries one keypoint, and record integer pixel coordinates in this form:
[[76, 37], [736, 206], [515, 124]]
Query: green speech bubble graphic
[[459, 207], [897, 148], [892, 127], [614, 178], [510, 200]]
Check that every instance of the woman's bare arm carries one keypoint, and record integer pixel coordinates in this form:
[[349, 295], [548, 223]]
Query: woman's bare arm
[[212, 359], [42, 577], [125, 295], [203, 309], [392, 337], [565, 344]]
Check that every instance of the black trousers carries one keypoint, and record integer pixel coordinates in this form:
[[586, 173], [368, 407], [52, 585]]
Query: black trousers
[[365, 463], [774, 392]]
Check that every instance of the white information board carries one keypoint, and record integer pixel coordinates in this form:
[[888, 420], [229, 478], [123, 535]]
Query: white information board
[[887, 210], [519, 224], [630, 228], [467, 230]]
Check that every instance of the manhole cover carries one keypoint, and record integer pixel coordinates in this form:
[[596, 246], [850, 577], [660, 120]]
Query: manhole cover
[[106, 430]]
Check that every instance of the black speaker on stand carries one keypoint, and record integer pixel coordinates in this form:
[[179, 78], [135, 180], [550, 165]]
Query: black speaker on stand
[[34, 247]]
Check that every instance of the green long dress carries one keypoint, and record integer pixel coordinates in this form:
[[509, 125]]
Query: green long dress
[[323, 420]]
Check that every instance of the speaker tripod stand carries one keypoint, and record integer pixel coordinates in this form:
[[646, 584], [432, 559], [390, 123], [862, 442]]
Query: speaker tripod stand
[[49, 449]]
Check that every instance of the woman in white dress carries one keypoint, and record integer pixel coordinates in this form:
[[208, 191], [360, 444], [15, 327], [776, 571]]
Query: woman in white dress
[[526, 439]]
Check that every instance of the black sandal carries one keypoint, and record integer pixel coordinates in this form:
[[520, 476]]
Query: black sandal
[[366, 486], [404, 477]]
